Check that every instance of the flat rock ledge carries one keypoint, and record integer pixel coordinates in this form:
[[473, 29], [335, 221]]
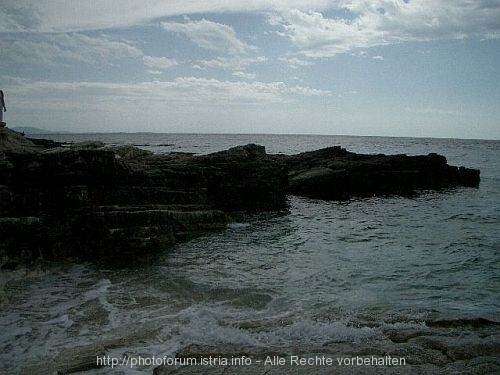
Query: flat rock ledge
[[459, 349], [93, 201], [441, 347]]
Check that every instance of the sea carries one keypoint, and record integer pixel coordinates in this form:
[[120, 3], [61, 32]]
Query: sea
[[319, 272]]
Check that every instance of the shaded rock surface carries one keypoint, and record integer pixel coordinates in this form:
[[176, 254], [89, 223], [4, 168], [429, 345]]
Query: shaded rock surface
[[84, 358], [92, 201], [459, 349], [334, 173]]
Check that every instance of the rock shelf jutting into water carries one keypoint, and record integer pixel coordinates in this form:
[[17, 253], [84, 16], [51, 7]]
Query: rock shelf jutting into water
[[93, 201]]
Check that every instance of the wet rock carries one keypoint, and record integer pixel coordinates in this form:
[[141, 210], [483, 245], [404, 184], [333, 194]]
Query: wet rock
[[463, 347], [69, 362], [441, 350], [476, 366], [419, 358], [84, 358]]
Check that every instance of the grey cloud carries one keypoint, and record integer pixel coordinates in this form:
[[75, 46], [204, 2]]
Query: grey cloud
[[19, 17]]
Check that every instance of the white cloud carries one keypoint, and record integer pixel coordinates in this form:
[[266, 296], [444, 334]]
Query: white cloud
[[295, 63], [182, 90], [159, 63], [356, 24], [378, 57], [65, 48], [380, 22], [230, 63], [77, 15], [209, 35], [308, 91], [316, 36], [244, 75]]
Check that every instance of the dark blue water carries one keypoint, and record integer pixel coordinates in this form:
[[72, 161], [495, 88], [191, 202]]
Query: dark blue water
[[326, 271]]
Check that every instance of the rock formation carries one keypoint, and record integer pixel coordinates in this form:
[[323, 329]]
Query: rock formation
[[92, 201], [463, 349], [336, 174]]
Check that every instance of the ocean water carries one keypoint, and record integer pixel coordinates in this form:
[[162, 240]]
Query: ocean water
[[321, 272]]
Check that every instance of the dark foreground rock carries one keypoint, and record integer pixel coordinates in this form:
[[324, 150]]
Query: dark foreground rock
[[91, 201]]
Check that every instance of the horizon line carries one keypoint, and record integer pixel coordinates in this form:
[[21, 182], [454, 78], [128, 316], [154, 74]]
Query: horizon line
[[53, 132]]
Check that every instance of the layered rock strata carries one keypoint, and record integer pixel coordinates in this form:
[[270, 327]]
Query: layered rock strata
[[94, 202], [336, 174], [91, 201]]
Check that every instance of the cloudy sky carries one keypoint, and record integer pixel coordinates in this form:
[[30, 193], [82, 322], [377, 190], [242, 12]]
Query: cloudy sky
[[381, 67]]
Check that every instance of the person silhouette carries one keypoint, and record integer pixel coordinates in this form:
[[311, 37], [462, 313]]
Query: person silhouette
[[3, 108]]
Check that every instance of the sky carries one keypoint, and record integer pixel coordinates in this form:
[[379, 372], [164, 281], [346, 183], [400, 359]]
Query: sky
[[416, 68]]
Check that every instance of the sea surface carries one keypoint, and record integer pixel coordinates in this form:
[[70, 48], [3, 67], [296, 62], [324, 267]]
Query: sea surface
[[321, 272]]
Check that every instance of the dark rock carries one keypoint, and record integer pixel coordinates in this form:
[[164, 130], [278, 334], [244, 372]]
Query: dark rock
[[13, 141], [244, 178], [336, 174], [88, 145], [245, 153], [95, 202], [419, 358], [9, 266], [45, 143]]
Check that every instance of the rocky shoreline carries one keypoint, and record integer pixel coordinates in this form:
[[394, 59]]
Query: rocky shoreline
[[92, 201], [434, 347]]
